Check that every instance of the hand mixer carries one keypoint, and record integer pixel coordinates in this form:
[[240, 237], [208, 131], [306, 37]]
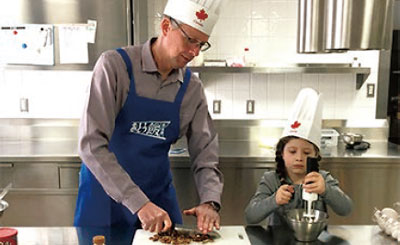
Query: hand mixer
[[309, 198]]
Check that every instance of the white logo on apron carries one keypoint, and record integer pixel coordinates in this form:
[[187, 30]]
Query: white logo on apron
[[154, 129]]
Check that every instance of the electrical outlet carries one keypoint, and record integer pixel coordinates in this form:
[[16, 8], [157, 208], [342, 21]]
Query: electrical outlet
[[216, 106], [370, 90], [250, 106], [24, 104]]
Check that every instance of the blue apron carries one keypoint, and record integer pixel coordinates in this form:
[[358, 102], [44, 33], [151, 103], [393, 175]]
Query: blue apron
[[144, 131]]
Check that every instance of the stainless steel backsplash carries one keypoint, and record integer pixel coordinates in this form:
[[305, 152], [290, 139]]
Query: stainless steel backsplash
[[15, 129], [254, 130], [249, 130]]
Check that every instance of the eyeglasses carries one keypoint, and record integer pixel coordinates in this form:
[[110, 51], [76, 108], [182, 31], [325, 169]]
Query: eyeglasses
[[204, 46]]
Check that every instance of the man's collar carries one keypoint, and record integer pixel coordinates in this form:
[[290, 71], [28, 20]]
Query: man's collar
[[149, 64]]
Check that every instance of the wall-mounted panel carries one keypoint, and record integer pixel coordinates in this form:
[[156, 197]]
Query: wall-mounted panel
[[27, 44]]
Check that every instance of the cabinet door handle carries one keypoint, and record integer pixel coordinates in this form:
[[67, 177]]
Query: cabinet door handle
[[6, 165]]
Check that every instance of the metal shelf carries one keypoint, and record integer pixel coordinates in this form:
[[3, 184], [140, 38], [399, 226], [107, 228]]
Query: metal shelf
[[362, 73], [57, 67]]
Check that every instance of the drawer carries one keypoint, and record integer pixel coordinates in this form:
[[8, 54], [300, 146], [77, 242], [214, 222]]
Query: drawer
[[69, 177], [35, 175], [38, 208], [6, 170]]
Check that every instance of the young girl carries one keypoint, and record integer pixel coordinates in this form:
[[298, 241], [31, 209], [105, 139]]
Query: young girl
[[281, 189]]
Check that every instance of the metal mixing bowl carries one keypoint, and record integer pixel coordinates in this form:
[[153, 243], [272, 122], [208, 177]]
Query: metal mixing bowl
[[306, 229], [3, 206]]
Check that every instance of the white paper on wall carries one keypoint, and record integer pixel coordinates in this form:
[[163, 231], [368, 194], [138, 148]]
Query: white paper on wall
[[91, 31], [27, 44], [73, 41]]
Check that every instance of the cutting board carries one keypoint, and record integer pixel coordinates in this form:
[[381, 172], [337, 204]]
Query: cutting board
[[228, 235]]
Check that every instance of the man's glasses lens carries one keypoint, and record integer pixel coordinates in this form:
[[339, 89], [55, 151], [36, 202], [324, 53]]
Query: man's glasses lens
[[202, 45]]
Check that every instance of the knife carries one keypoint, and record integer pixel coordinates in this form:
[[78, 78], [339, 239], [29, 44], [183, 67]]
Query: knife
[[192, 229]]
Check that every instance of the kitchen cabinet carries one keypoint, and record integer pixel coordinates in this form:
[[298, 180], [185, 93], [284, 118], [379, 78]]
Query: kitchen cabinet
[[42, 194], [362, 73], [240, 186], [69, 175], [39, 207], [369, 183], [6, 169], [25, 175], [240, 182]]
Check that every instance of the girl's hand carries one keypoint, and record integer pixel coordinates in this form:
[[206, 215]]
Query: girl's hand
[[284, 194], [314, 183]]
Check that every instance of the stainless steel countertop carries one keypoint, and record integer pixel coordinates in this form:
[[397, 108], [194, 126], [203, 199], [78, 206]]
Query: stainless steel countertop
[[230, 151], [343, 235], [336, 234]]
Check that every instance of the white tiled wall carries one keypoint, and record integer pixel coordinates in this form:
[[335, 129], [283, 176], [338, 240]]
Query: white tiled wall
[[275, 93], [267, 27], [50, 94]]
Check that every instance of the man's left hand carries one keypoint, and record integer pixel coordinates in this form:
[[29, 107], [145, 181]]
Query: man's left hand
[[207, 217]]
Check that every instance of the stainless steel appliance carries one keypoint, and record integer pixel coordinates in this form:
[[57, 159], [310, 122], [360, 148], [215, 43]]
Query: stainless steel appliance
[[394, 91], [340, 25], [114, 22]]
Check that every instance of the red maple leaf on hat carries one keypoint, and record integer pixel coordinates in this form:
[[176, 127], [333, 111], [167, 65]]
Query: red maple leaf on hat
[[296, 124], [201, 15]]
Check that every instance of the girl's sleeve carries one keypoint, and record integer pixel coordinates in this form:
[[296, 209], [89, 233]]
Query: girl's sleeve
[[263, 201], [333, 196]]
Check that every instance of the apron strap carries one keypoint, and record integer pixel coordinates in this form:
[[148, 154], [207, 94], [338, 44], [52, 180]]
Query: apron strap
[[127, 61], [182, 90], [128, 64]]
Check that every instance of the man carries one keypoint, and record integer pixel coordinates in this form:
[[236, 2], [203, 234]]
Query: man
[[142, 99]]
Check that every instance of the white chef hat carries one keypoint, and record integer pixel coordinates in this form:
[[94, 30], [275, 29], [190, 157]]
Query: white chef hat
[[200, 14], [305, 119]]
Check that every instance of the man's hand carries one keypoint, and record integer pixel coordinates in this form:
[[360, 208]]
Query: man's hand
[[153, 218], [316, 183], [207, 217], [284, 194]]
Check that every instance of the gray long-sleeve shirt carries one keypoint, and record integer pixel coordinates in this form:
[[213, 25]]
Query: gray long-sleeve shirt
[[108, 92], [263, 204]]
